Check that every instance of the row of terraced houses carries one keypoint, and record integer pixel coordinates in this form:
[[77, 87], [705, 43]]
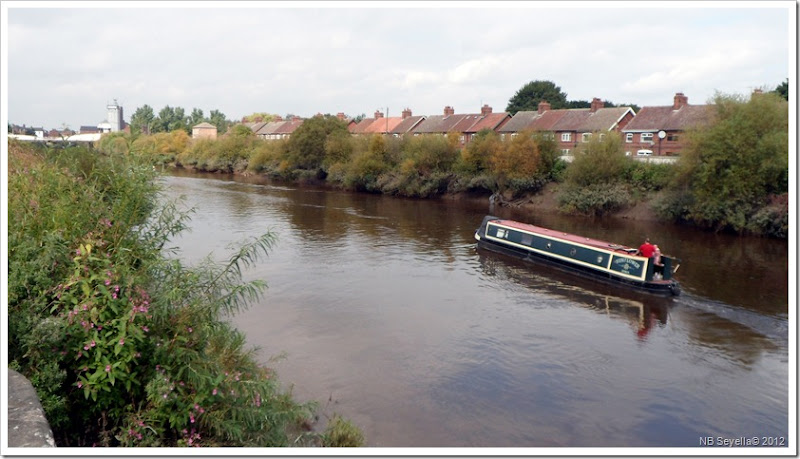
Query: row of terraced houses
[[657, 129]]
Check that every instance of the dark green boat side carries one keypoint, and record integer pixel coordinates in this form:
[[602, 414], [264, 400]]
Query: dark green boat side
[[592, 258]]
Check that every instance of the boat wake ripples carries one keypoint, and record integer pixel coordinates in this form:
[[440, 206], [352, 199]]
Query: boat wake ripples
[[775, 328]]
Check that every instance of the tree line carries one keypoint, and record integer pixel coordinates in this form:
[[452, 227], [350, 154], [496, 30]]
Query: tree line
[[732, 175], [145, 121]]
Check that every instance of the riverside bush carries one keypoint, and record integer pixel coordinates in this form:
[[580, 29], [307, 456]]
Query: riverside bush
[[648, 176], [729, 169], [597, 199], [125, 345]]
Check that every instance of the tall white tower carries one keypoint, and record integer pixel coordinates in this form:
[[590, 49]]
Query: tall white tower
[[115, 116]]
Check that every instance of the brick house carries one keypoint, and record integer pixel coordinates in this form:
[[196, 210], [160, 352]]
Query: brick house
[[466, 125], [407, 124], [282, 129], [570, 127], [661, 129], [204, 131]]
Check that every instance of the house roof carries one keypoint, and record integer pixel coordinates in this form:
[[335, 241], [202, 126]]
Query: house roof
[[667, 119], [468, 123], [204, 125], [361, 126], [288, 127], [255, 126], [407, 124], [575, 120], [430, 125], [269, 128], [382, 125], [491, 121], [533, 120]]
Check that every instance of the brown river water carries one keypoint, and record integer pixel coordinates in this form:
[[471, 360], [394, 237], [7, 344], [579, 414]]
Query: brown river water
[[384, 311]]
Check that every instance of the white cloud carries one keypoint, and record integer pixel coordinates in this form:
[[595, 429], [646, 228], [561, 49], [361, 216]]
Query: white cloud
[[473, 70], [309, 60]]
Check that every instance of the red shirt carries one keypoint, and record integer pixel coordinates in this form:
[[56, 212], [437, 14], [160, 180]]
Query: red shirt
[[646, 250]]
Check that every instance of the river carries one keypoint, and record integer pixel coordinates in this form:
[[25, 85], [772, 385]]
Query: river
[[384, 311]]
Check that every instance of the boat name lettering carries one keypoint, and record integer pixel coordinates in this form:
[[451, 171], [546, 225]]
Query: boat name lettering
[[626, 261]]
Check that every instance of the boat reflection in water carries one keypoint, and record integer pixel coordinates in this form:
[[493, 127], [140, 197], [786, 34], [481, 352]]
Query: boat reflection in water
[[641, 310], [600, 260]]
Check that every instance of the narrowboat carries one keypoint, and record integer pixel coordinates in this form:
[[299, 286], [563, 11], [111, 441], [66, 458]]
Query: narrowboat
[[592, 258]]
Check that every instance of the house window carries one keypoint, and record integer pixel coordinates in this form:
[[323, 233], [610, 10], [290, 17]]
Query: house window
[[565, 151], [647, 137], [566, 136], [672, 137], [602, 136], [586, 136], [629, 137], [514, 135]]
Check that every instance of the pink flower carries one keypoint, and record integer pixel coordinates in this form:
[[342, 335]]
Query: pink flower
[[122, 341], [92, 344], [145, 329], [108, 368], [214, 392], [80, 384]]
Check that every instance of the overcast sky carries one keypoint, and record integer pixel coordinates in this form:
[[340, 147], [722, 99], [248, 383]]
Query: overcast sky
[[65, 62]]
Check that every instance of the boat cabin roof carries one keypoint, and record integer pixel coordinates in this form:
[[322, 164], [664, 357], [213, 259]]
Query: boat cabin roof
[[569, 237]]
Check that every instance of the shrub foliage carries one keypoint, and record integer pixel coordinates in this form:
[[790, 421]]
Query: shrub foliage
[[124, 344]]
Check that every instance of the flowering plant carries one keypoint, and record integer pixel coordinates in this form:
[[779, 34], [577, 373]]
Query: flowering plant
[[106, 318]]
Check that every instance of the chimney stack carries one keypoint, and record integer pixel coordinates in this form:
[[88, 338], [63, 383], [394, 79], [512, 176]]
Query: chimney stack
[[679, 101], [449, 111], [543, 107], [486, 110], [378, 114], [340, 115], [406, 113], [596, 104]]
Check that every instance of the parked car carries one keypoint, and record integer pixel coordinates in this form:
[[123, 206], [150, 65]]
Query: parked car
[[644, 153]]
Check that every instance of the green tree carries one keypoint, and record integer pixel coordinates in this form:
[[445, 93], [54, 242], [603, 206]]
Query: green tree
[[240, 130], [729, 170], [529, 96], [196, 117], [783, 90], [601, 160], [179, 121], [306, 146], [259, 117], [142, 119], [338, 148], [475, 158], [218, 119]]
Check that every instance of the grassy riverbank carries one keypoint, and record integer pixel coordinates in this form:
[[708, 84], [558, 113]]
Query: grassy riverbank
[[732, 176], [124, 345]]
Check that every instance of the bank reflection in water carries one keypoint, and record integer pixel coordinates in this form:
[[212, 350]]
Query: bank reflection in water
[[385, 306], [642, 312]]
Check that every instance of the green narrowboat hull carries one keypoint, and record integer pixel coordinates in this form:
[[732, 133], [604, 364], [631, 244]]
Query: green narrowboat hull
[[591, 258]]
